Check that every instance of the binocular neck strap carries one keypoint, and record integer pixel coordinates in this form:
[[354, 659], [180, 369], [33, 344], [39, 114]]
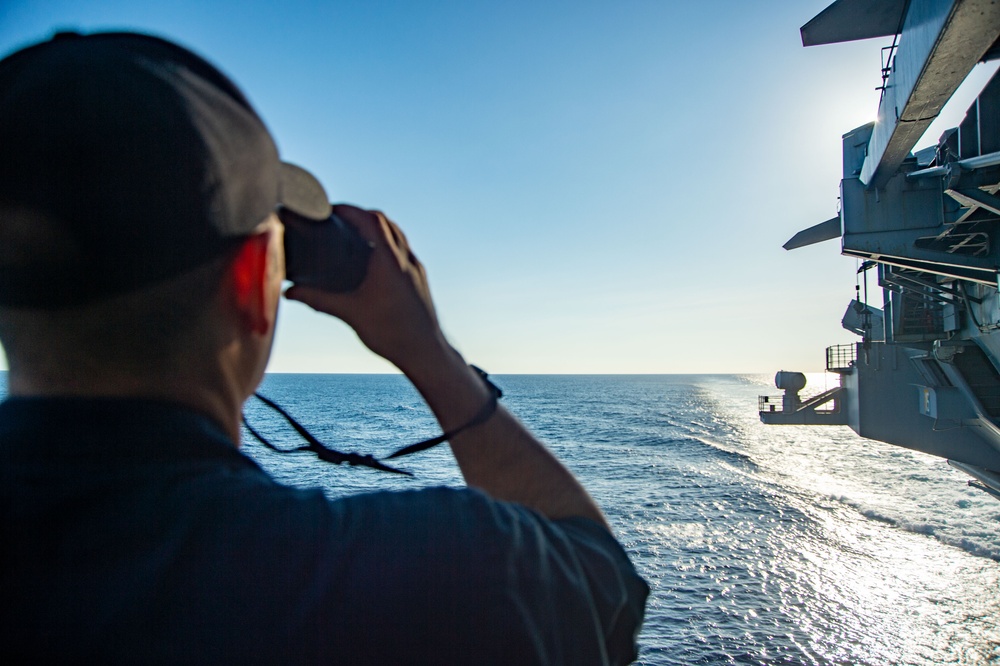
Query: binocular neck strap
[[329, 455]]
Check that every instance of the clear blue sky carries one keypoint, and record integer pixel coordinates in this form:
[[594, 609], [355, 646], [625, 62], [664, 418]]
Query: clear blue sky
[[593, 186]]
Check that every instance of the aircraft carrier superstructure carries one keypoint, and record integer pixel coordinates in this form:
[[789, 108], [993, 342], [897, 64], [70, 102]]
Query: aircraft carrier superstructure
[[924, 374]]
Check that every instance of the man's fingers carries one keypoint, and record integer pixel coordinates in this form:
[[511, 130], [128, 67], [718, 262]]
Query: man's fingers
[[392, 310], [365, 221], [375, 226], [317, 299], [302, 294], [396, 240]]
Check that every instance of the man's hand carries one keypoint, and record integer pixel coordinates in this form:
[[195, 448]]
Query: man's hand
[[392, 311], [393, 314]]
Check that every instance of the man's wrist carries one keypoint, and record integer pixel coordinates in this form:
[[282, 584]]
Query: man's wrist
[[454, 390], [436, 359]]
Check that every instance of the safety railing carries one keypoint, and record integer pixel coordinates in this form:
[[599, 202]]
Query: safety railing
[[769, 403], [841, 358]]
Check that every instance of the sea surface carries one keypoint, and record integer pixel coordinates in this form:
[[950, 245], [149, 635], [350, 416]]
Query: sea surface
[[762, 544]]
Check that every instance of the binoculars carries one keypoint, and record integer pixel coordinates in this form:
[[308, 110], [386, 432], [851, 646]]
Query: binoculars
[[328, 254]]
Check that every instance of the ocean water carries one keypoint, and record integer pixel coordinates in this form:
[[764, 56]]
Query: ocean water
[[762, 544]]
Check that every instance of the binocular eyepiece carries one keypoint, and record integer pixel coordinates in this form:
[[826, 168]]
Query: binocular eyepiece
[[329, 254]]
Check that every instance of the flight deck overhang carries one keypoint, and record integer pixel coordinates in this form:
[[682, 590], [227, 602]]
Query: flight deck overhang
[[940, 43]]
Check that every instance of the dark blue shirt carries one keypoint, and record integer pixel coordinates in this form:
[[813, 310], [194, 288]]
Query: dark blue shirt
[[135, 531]]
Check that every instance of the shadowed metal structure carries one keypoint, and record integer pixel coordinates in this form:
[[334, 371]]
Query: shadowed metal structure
[[925, 373]]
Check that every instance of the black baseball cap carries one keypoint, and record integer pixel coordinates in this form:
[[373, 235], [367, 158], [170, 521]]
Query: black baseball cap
[[139, 159]]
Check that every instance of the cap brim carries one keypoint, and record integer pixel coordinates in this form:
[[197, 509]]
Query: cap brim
[[302, 193]]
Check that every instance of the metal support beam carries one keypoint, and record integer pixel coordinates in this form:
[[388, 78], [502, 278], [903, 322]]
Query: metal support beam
[[989, 478], [970, 164], [976, 198], [985, 276], [903, 244], [942, 40], [916, 284]]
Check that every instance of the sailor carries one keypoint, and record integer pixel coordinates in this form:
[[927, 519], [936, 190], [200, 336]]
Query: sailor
[[141, 268]]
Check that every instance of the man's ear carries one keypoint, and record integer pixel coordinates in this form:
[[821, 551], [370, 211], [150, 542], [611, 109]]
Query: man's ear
[[252, 276]]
